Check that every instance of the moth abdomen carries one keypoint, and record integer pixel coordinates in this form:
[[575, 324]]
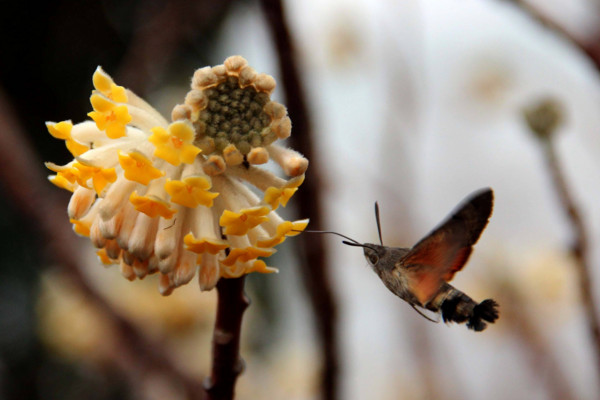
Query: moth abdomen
[[460, 308]]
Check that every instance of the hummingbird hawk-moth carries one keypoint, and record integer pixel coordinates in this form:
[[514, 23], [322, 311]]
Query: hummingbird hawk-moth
[[420, 275]]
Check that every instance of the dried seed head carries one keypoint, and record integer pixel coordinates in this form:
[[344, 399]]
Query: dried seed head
[[236, 115], [247, 76], [181, 111], [214, 165], [232, 155], [258, 155], [220, 71], [275, 110], [235, 63], [282, 127], [544, 117], [264, 83], [204, 78]]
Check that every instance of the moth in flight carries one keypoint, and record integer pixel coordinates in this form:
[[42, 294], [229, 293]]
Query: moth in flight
[[420, 275]]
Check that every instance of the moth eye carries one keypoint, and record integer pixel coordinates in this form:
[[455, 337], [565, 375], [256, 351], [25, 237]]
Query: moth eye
[[373, 258]]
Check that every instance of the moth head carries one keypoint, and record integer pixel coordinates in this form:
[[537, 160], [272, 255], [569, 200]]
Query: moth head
[[372, 253]]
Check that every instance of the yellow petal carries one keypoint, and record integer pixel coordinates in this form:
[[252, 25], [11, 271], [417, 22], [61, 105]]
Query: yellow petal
[[81, 228], [152, 206], [76, 148], [63, 183], [118, 93], [101, 80], [275, 196], [241, 222], [101, 104], [102, 177], [200, 246], [174, 144], [104, 258], [99, 119], [297, 227], [191, 191], [60, 130], [287, 228], [189, 153], [115, 130], [261, 266], [138, 167], [122, 115], [182, 130], [109, 116], [105, 84], [245, 254]]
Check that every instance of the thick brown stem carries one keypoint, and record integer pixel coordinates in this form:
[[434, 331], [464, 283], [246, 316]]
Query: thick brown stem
[[315, 271], [227, 363]]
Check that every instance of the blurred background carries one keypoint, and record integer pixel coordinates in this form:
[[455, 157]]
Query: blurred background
[[413, 103]]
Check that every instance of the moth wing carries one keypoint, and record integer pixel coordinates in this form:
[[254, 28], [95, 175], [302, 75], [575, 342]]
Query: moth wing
[[443, 252]]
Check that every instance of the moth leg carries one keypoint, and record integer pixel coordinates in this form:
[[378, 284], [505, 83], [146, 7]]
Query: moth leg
[[423, 315]]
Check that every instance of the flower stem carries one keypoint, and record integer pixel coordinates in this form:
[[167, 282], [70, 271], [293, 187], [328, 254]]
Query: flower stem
[[227, 363], [579, 247], [588, 46]]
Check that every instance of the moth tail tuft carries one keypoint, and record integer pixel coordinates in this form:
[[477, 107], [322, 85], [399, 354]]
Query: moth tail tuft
[[487, 310], [460, 308]]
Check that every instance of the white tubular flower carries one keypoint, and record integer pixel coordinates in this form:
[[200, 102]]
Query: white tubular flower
[[171, 198]]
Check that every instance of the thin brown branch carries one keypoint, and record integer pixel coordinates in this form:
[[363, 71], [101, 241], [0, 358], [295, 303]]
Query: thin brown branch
[[227, 364], [33, 197], [579, 247], [315, 271], [590, 47]]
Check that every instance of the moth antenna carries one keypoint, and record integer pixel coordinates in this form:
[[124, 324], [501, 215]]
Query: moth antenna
[[423, 315], [378, 222], [335, 233]]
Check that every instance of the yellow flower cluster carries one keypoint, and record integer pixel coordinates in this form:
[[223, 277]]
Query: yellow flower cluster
[[172, 197]]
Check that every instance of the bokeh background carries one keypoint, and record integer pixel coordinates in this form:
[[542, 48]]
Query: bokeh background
[[413, 103]]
